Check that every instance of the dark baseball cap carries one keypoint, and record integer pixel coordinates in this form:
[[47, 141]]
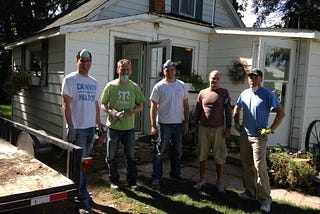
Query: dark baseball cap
[[256, 72]]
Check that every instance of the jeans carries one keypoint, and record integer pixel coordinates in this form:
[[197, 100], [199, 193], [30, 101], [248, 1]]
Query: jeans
[[170, 134], [127, 138], [84, 139]]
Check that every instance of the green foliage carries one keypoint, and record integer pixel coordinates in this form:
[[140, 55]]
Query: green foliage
[[5, 111], [293, 171], [196, 80], [299, 14], [18, 81]]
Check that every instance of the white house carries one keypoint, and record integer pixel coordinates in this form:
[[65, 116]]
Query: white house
[[201, 34]]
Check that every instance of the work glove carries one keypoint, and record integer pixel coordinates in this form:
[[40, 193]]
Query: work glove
[[71, 134], [100, 129], [155, 139], [124, 114], [238, 127], [116, 115], [264, 131]]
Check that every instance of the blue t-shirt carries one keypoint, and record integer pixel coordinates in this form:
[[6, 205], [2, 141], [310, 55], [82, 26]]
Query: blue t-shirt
[[256, 108]]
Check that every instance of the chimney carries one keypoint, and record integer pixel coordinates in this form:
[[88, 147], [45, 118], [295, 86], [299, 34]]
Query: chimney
[[157, 6]]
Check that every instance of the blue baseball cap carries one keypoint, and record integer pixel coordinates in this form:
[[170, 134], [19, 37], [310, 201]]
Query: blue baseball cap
[[84, 53], [167, 63]]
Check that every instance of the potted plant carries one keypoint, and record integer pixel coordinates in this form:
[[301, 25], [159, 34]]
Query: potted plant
[[195, 80], [34, 78]]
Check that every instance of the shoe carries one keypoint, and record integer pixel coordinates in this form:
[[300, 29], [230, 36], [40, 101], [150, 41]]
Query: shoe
[[245, 196], [265, 207], [199, 185], [114, 186], [84, 211], [135, 187], [220, 187], [179, 180], [156, 184]]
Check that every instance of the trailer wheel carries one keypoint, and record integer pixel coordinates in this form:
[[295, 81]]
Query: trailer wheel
[[26, 143], [34, 146]]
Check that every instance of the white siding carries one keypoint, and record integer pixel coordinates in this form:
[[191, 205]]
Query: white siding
[[40, 107], [222, 50], [311, 95]]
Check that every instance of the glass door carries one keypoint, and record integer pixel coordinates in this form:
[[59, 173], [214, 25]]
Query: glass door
[[157, 53], [276, 60]]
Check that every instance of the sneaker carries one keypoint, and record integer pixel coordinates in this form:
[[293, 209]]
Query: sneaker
[[135, 187], [245, 196], [265, 207], [84, 211], [114, 186], [199, 184], [156, 184], [220, 187]]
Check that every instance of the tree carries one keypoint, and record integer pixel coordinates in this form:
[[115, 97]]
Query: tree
[[20, 18], [300, 14]]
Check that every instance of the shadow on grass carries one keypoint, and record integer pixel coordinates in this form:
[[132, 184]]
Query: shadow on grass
[[207, 200]]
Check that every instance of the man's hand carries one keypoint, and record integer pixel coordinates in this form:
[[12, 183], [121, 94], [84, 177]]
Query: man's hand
[[264, 131], [71, 134], [116, 115], [238, 127], [100, 129]]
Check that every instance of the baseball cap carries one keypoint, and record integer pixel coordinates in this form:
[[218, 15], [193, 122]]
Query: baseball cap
[[84, 53], [256, 72], [168, 63]]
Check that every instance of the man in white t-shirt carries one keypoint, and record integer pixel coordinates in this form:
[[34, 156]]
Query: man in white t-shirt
[[170, 108], [81, 109]]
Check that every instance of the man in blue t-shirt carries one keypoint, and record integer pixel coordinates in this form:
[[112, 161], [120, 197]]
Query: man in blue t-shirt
[[256, 103]]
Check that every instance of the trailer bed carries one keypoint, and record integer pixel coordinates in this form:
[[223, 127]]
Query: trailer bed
[[25, 181]]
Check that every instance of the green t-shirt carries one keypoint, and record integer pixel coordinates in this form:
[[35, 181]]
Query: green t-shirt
[[121, 97]]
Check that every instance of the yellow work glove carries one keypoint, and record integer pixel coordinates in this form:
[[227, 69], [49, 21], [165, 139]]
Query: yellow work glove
[[264, 131], [238, 127]]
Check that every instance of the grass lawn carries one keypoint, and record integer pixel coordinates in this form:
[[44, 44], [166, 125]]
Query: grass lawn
[[175, 198], [5, 111]]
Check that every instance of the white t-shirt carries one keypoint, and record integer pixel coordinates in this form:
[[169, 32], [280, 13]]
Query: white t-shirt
[[84, 93], [170, 98]]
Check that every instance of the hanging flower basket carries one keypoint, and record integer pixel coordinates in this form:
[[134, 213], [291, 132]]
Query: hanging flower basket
[[238, 71]]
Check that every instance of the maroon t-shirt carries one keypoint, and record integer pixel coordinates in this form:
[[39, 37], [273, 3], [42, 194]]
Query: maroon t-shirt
[[213, 108]]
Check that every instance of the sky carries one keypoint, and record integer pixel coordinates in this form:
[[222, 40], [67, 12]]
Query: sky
[[249, 18]]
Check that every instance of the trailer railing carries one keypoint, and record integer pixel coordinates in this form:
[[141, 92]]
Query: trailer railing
[[9, 128]]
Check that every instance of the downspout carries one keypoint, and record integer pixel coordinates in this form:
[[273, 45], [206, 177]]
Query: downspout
[[213, 12]]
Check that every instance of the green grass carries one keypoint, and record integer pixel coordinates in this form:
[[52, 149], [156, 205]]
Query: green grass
[[173, 198], [5, 111]]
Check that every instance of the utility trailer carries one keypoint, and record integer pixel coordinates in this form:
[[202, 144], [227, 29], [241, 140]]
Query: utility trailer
[[27, 185]]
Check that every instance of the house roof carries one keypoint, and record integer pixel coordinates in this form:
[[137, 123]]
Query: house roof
[[77, 15], [284, 32]]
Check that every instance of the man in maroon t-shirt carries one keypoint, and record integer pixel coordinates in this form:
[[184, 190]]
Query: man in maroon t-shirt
[[213, 114]]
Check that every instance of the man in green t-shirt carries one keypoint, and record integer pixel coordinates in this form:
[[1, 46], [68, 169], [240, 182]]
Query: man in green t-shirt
[[121, 99]]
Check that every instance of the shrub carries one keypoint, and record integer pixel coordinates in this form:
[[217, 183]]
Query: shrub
[[290, 171]]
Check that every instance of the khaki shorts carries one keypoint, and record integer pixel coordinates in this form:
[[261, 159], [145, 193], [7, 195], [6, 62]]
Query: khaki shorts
[[212, 139]]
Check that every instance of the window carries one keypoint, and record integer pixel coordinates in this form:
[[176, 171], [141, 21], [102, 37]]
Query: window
[[183, 57], [35, 62], [187, 7]]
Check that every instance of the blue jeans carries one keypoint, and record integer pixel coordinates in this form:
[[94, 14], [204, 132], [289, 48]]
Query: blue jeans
[[170, 134], [84, 139], [127, 138]]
